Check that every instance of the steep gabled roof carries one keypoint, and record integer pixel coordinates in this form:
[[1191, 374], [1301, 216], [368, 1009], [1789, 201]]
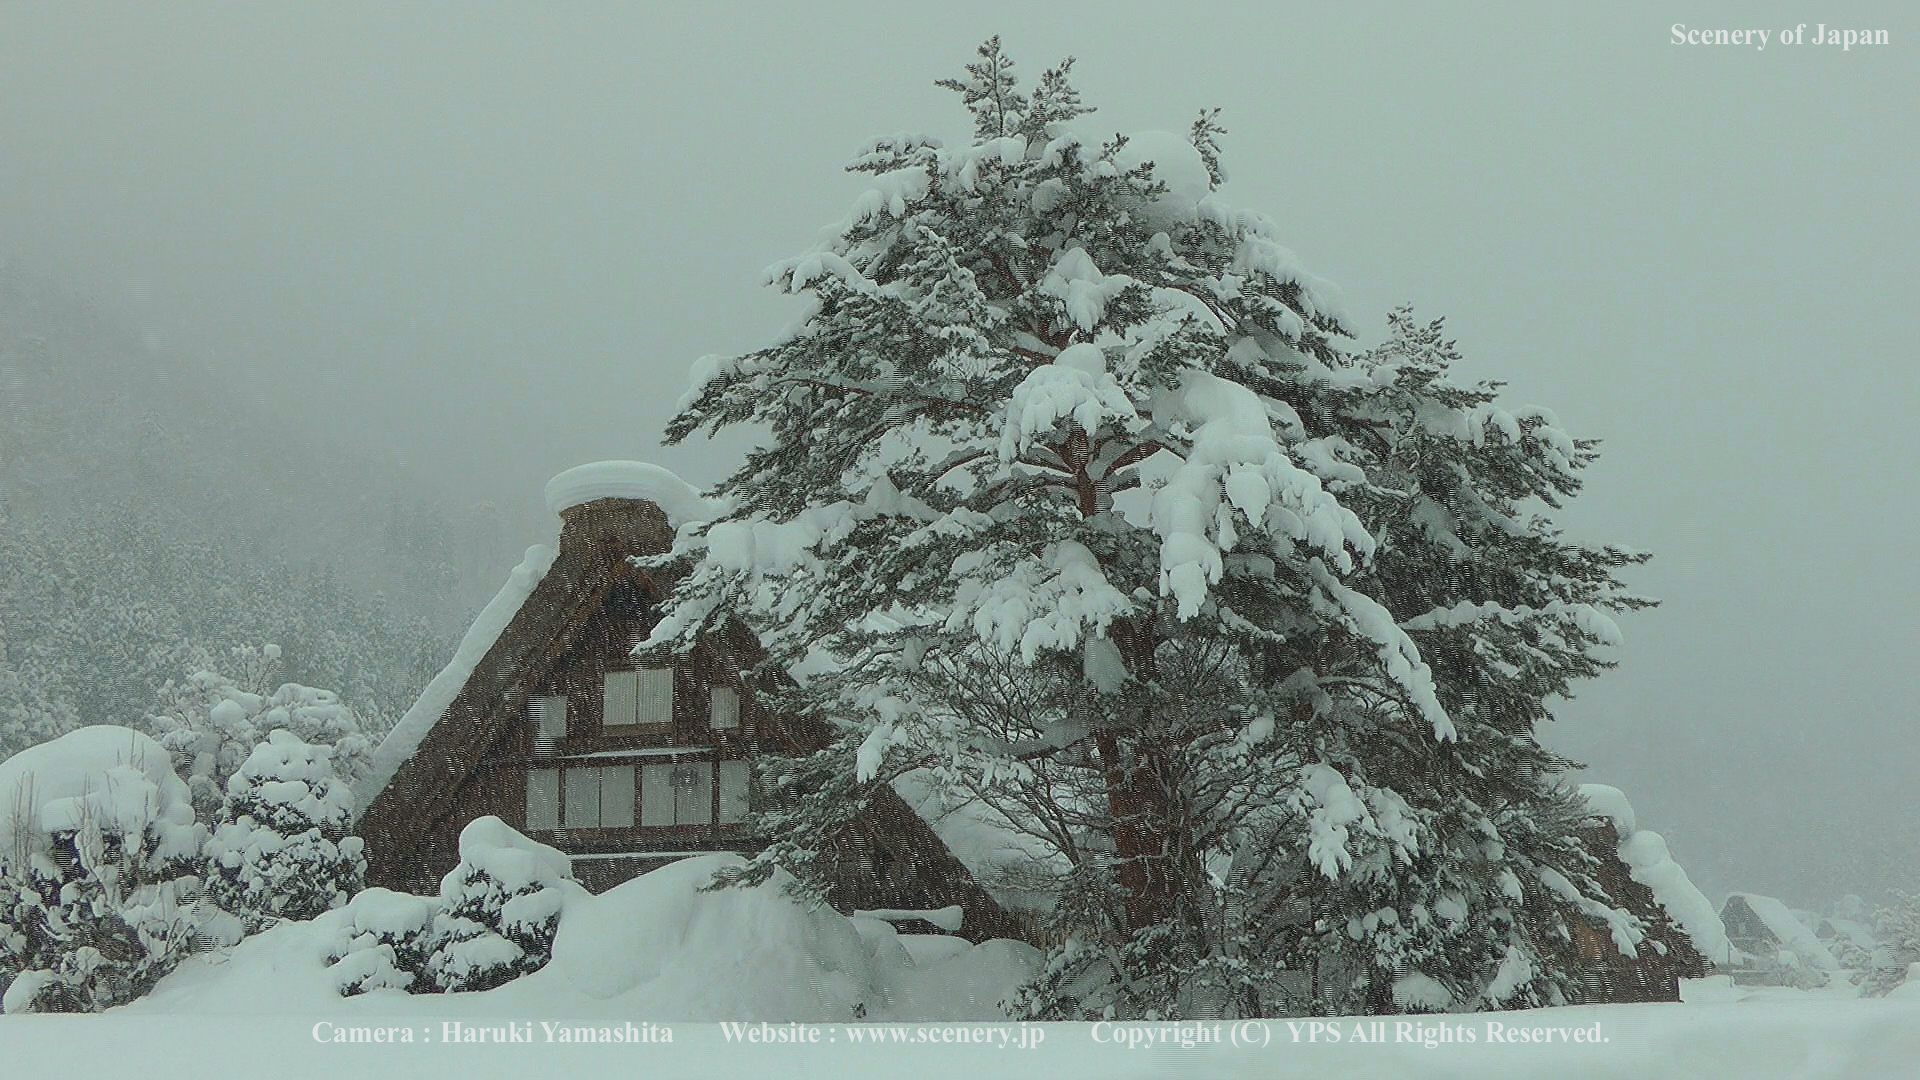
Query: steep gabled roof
[[1759, 921], [420, 767], [609, 518]]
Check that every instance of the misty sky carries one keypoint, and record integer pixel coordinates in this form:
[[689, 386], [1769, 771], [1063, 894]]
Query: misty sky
[[492, 239]]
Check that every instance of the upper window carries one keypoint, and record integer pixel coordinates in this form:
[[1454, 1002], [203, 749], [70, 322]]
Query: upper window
[[642, 698], [548, 712], [726, 708]]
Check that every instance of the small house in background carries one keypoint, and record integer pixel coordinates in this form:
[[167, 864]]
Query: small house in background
[[1773, 947], [545, 720], [1682, 936]]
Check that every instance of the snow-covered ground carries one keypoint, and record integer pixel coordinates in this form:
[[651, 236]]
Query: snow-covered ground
[[664, 965], [657, 959]]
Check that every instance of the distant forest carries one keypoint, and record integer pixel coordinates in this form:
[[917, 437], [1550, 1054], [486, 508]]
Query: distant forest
[[152, 520]]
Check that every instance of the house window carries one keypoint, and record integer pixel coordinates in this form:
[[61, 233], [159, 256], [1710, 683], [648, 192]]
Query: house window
[[677, 794], [641, 698], [580, 798], [543, 798], [733, 792], [656, 795], [621, 705], [726, 708], [693, 793], [656, 697], [548, 714], [600, 798]]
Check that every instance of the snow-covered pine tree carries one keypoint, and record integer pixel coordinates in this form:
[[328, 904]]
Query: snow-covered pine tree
[[1050, 403], [28, 714], [499, 909], [282, 849], [1897, 961], [1508, 613], [212, 720], [99, 872]]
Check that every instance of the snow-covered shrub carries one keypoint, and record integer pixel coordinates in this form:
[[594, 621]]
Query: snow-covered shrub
[[211, 722], [384, 946], [1893, 963], [499, 910], [99, 860], [282, 849]]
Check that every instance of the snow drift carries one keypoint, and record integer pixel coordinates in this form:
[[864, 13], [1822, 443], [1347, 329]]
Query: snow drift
[[660, 947]]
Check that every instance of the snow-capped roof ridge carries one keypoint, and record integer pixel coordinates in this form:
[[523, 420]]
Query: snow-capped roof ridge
[[642, 480]]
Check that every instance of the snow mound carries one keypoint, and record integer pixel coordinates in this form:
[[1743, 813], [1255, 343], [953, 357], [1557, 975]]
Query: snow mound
[[661, 946], [494, 848], [109, 778], [681, 501], [401, 743], [746, 953]]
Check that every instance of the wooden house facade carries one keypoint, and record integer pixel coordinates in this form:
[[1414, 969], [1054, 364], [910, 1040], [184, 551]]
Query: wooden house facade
[[625, 766]]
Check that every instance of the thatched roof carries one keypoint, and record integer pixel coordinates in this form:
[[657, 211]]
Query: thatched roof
[[473, 707], [596, 542]]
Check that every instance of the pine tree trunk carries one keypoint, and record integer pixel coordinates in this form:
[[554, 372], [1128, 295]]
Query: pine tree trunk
[[1138, 802]]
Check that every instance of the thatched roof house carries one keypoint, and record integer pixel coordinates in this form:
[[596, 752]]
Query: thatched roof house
[[1772, 945], [544, 719], [1682, 933]]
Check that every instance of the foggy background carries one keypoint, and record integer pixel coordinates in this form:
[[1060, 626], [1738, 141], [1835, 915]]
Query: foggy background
[[352, 264]]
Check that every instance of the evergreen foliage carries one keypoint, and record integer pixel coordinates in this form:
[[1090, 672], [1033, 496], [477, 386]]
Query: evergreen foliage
[[282, 849], [100, 615], [212, 721], [1280, 617], [1894, 963], [99, 873], [499, 910]]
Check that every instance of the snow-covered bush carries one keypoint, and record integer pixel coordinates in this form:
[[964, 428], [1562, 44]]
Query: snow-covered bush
[[499, 909], [281, 849], [99, 857], [1898, 925], [384, 944], [212, 720]]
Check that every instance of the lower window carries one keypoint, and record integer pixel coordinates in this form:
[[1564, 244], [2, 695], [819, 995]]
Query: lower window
[[606, 797]]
